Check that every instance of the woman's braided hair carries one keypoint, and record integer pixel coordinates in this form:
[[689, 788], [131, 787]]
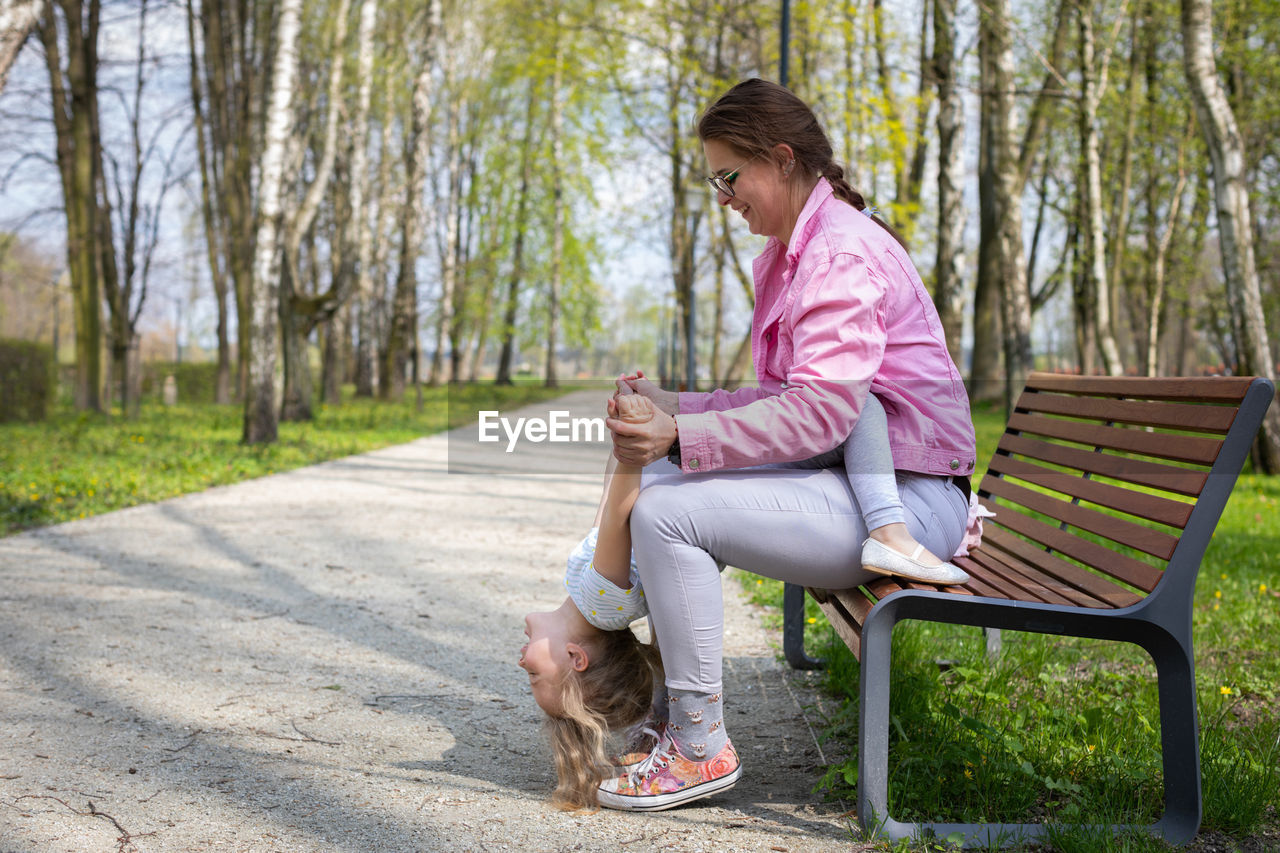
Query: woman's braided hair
[[755, 116]]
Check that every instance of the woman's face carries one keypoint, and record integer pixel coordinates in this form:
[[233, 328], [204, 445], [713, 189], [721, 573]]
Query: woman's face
[[549, 656], [760, 193]]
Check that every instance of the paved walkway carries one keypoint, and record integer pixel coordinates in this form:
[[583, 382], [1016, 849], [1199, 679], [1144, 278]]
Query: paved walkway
[[326, 660]]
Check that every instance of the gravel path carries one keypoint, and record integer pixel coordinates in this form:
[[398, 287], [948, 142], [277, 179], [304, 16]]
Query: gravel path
[[299, 663]]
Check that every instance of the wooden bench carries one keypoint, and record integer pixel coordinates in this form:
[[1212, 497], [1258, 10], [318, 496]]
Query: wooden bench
[[1143, 465]]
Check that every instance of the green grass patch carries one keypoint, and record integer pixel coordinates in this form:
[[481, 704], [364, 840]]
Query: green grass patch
[[1067, 730], [78, 465]]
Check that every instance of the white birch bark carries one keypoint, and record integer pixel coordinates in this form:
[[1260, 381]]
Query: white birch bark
[[404, 319], [1015, 302], [1095, 239], [260, 420], [358, 229], [18, 20], [557, 214], [305, 214], [1226, 152]]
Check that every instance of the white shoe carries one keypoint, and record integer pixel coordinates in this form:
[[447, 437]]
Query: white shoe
[[881, 559]]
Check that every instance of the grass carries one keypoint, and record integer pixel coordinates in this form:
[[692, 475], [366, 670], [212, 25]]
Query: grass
[[77, 465], [1067, 730]]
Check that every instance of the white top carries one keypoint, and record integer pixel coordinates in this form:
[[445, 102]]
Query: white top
[[604, 604]]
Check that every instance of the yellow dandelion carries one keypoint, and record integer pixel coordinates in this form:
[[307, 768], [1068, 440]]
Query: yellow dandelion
[[1215, 605], [1224, 575], [89, 493], [1217, 593], [812, 620], [1090, 747], [1262, 589], [1225, 690]]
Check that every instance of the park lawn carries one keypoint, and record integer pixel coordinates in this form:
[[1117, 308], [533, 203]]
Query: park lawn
[[1068, 728], [78, 465]]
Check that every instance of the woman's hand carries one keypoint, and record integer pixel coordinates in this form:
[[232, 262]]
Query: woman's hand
[[641, 443], [667, 401]]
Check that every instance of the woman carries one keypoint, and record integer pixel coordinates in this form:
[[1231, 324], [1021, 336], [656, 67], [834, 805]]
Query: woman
[[840, 314]]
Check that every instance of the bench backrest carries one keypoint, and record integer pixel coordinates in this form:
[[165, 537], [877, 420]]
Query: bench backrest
[[1118, 482]]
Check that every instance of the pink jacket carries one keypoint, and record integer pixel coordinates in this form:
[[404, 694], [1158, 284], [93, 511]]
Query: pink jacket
[[840, 312]]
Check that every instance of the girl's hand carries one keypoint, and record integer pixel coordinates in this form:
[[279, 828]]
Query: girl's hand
[[667, 401]]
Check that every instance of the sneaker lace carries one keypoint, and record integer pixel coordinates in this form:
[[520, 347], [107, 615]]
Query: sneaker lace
[[641, 735], [659, 758]]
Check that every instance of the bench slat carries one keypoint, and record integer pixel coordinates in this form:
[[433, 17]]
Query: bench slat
[[1141, 472], [1030, 581], [1097, 587], [1150, 507], [1183, 448], [975, 584], [1218, 389], [846, 628], [1121, 567], [1144, 539], [1188, 416]]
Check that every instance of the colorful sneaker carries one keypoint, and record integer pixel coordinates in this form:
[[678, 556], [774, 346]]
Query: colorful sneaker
[[666, 778], [641, 739]]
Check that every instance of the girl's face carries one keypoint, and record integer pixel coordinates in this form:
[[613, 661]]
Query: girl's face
[[552, 653], [760, 193]]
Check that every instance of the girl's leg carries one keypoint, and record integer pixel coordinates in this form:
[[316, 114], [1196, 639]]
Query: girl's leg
[[798, 526], [609, 467], [622, 487], [868, 462]]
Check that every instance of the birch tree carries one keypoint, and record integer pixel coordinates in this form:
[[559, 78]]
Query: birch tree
[[260, 421], [302, 311], [1093, 77], [1226, 151], [18, 20], [1015, 301], [402, 339]]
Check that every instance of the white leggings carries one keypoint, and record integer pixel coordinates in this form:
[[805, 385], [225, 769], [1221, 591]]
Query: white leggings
[[798, 522]]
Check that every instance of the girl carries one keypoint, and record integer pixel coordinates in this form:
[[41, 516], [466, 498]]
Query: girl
[[591, 675], [588, 671]]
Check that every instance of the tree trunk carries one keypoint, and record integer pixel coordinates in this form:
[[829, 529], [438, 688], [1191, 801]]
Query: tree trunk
[[949, 281], [260, 423], [402, 334], [74, 90], [985, 384], [1156, 287], [557, 210], [1226, 151], [299, 313], [1095, 240], [371, 254], [213, 235], [18, 20], [1015, 301], [517, 251]]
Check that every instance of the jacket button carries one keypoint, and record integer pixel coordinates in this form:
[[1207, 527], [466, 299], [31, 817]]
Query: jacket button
[[693, 463], [955, 464]]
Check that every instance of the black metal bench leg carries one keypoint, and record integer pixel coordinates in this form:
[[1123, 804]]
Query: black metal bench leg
[[793, 629]]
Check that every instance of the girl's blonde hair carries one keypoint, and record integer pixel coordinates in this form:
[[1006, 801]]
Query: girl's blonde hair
[[615, 691]]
